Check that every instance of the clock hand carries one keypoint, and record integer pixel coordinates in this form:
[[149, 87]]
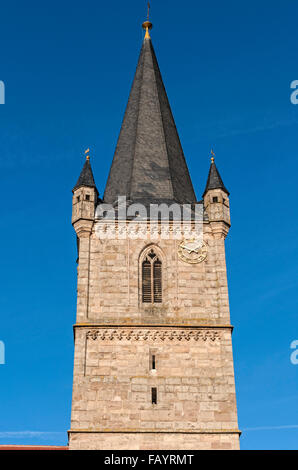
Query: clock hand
[[191, 250], [185, 248], [196, 250]]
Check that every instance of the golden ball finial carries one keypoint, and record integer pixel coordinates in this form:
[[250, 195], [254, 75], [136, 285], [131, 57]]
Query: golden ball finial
[[212, 157], [147, 25]]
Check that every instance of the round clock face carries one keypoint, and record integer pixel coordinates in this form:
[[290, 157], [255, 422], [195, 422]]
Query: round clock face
[[192, 251]]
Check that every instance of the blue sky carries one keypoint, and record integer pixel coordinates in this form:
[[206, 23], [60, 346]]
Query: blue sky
[[68, 67]]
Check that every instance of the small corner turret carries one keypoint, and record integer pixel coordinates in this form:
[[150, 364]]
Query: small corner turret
[[216, 202], [84, 201]]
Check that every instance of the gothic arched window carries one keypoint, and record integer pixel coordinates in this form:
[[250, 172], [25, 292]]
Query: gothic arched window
[[152, 279]]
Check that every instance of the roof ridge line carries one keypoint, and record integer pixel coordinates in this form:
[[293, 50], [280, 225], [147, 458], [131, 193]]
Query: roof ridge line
[[162, 122], [137, 124], [158, 72]]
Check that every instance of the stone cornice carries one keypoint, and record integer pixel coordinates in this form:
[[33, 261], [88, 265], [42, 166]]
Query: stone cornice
[[155, 325]]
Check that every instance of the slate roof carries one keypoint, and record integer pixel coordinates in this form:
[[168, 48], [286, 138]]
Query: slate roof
[[149, 164], [86, 177], [214, 180]]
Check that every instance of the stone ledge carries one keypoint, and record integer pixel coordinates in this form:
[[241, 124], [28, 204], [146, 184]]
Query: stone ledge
[[151, 326], [152, 431]]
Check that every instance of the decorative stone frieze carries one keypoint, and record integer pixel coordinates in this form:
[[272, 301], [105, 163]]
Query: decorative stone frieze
[[143, 334]]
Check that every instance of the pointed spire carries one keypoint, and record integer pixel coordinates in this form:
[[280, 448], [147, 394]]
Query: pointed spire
[[214, 180], [86, 177], [149, 164]]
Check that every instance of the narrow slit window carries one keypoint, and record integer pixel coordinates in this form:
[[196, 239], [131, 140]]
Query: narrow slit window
[[154, 395], [153, 362], [152, 279]]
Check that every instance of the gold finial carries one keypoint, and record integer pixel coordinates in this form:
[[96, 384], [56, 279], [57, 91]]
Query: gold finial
[[87, 156], [147, 24], [213, 155]]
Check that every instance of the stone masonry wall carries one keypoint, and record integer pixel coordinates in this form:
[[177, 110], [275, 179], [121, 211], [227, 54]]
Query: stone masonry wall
[[116, 335], [154, 441], [109, 284], [194, 379]]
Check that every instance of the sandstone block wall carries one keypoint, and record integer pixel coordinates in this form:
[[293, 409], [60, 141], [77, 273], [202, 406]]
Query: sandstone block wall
[[116, 335], [154, 441], [109, 283]]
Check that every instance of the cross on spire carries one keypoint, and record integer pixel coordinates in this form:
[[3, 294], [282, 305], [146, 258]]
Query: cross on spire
[[147, 24]]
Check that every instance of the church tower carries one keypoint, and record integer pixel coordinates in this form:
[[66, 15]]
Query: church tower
[[153, 365]]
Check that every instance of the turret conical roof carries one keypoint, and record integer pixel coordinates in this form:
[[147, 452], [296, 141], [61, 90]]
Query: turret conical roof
[[86, 177], [214, 180]]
